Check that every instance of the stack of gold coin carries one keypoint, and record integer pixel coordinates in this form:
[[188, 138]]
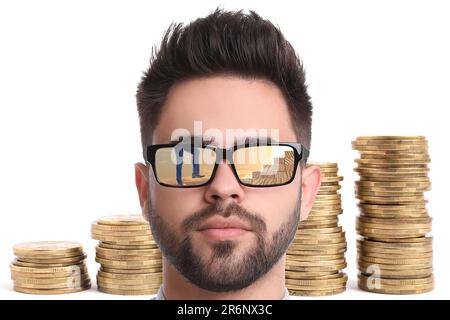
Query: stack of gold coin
[[131, 262], [394, 252], [316, 257], [49, 267]]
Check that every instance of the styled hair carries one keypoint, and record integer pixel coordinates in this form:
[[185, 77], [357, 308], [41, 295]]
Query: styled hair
[[224, 43]]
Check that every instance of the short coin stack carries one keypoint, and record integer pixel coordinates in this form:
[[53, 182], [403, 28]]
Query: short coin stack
[[394, 253], [49, 267], [131, 262], [316, 257]]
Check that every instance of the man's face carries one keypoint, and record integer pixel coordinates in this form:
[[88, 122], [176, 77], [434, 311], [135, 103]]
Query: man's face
[[224, 260]]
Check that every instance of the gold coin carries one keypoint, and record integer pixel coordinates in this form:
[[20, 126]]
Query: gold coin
[[393, 233], [390, 195], [113, 252], [404, 261], [382, 266], [319, 221], [122, 234], [118, 238], [133, 219], [129, 257], [390, 226], [331, 179], [129, 276], [146, 270], [393, 215], [320, 216], [321, 230], [108, 282], [412, 243], [312, 275], [334, 267], [320, 208], [35, 275], [394, 251], [17, 262], [389, 251], [131, 243], [315, 257], [121, 228], [40, 260], [401, 274], [300, 235], [390, 162], [414, 148], [50, 291], [129, 287], [375, 254], [315, 214], [318, 241], [115, 246], [336, 196], [317, 247], [306, 226], [397, 282], [128, 264], [421, 178], [55, 286], [399, 156], [316, 292], [300, 263], [47, 248], [44, 281], [396, 208], [317, 252], [329, 189], [397, 291], [404, 240], [390, 190], [390, 138], [395, 221], [322, 203], [342, 279], [49, 270], [128, 292], [301, 275]]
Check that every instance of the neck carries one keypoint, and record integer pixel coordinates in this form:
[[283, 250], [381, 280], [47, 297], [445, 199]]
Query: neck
[[270, 286]]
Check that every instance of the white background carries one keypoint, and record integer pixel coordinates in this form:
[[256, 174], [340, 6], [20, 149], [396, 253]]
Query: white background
[[69, 133]]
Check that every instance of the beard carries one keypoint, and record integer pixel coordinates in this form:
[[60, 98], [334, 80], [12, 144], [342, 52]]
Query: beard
[[223, 270]]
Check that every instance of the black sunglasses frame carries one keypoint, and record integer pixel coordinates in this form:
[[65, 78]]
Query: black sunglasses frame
[[300, 153]]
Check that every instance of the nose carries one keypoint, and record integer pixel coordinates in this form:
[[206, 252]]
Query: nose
[[224, 185]]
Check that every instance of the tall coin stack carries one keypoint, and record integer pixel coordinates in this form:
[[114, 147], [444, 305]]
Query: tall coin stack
[[394, 253], [316, 257], [49, 267], [131, 262]]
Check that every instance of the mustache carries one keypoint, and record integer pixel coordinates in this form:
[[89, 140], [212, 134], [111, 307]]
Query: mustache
[[256, 222]]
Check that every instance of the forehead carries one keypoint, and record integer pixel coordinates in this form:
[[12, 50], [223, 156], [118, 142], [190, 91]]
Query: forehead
[[226, 109]]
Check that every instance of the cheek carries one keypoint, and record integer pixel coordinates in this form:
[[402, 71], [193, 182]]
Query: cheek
[[173, 205], [274, 204]]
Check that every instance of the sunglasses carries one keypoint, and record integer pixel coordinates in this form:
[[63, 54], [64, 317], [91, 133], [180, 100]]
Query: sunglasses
[[185, 165]]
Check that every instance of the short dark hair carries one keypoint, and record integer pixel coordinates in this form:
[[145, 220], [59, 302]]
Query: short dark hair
[[224, 43]]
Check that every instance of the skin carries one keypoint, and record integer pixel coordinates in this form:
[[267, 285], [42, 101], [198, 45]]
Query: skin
[[226, 102]]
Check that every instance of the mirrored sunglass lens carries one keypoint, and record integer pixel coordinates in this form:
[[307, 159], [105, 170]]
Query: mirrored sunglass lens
[[264, 165], [184, 165]]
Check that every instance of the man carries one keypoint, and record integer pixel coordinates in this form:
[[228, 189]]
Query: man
[[179, 151], [231, 76]]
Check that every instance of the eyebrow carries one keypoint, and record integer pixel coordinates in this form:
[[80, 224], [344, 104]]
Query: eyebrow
[[210, 140]]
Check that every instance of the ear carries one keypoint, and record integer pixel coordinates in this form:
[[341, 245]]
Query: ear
[[310, 188], [141, 180]]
